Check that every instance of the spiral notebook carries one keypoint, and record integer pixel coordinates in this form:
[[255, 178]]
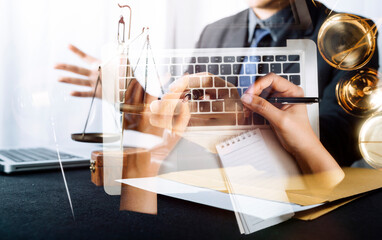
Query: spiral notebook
[[263, 171]]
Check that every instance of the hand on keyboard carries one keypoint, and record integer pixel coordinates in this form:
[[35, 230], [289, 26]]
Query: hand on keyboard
[[172, 111], [290, 123], [189, 104]]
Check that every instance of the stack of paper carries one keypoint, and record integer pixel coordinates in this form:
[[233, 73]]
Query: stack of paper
[[260, 191]]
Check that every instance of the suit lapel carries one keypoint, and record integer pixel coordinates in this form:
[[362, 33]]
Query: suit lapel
[[237, 32]]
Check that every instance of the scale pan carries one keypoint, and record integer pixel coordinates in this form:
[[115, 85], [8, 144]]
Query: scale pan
[[96, 137]]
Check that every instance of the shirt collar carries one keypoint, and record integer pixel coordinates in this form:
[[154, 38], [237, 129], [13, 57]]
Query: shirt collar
[[272, 24]]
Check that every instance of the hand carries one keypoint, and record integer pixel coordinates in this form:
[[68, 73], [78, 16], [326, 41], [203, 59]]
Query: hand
[[90, 75], [172, 112], [290, 123]]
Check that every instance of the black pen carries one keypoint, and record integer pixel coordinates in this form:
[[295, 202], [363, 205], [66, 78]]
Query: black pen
[[293, 100]]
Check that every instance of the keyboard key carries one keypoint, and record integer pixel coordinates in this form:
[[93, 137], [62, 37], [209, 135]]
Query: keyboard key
[[193, 106], [203, 60], [245, 81], [258, 119], [190, 59], [236, 68], [291, 68], [204, 106], [294, 57], [188, 69], [223, 93], [281, 58], [176, 70], [213, 69], [241, 59], [200, 68], [233, 80], [197, 94], [239, 106], [229, 59], [193, 82], [234, 94], [295, 79], [240, 91], [210, 94], [230, 105], [276, 67], [263, 68], [207, 82], [225, 69], [176, 60], [217, 119], [268, 58], [284, 76], [218, 82], [250, 68], [217, 106], [242, 120], [255, 58], [216, 59]]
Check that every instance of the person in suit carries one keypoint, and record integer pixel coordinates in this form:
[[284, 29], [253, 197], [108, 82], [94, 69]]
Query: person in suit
[[274, 22], [338, 130]]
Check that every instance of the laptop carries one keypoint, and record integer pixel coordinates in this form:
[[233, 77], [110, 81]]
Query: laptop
[[233, 71], [41, 158]]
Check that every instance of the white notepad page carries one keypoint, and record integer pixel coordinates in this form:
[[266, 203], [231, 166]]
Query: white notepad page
[[250, 166]]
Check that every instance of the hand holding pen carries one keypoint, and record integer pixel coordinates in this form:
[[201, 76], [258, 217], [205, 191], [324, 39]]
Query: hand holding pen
[[290, 123]]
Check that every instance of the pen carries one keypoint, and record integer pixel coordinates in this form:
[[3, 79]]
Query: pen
[[293, 100]]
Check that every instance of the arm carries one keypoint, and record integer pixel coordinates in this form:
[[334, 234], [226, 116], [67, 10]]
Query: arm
[[291, 125], [88, 77]]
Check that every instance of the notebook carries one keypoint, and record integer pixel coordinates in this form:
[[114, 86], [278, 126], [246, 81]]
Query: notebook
[[258, 169]]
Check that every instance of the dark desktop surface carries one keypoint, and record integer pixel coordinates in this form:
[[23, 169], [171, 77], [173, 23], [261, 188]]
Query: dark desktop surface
[[35, 206]]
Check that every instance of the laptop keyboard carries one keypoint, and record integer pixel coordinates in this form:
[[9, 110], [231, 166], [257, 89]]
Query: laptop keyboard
[[214, 97], [34, 154]]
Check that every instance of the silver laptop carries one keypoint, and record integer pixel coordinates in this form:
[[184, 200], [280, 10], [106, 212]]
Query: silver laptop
[[28, 159], [237, 69]]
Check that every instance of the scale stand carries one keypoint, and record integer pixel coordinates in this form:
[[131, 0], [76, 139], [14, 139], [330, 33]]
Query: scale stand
[[95, 137]]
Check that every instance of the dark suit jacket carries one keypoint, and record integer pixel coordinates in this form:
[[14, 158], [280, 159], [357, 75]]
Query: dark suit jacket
[[338, 130]]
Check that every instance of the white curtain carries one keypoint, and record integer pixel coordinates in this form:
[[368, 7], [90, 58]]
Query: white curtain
[[35, 35]]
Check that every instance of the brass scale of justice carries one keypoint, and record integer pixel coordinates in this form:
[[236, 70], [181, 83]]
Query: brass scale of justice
[[124, 107]]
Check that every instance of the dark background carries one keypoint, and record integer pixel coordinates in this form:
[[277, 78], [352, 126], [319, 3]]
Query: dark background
[[35, 206]]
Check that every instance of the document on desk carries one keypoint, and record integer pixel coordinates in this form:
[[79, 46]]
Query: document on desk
[[260, 209], [248, 164], [254, 192]]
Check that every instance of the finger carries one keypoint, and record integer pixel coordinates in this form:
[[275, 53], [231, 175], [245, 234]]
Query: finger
[[173, 96], [76, 81], [73, 69], [82, 94], [168, 107], [175, 123], [262, 107], [81, 54], [275, 83], [180, 84]]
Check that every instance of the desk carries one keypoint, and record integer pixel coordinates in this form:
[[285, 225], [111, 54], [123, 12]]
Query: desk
[[35, 206]]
